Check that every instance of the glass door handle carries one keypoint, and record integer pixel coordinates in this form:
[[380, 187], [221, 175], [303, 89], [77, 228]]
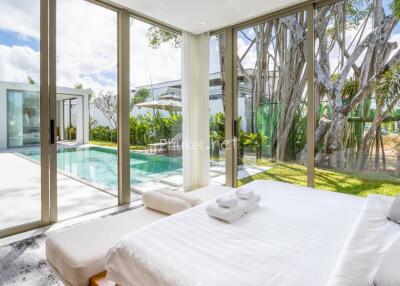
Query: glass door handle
[[52, 137], [235, 128]]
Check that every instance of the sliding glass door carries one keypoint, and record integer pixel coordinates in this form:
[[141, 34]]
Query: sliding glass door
[[272, 100], [217, 102], [357, 131], [86, 101], [64, 83], [23, 188], [155, 119]]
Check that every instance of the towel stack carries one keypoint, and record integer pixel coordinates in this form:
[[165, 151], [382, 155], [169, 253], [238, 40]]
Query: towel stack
[[247, 199], [230, 208]]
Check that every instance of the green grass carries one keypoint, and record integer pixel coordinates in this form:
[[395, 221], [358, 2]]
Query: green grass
[[112, 144], [353, 183]]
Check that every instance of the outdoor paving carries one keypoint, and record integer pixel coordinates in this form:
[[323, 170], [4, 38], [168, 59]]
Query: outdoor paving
[[247, 171], [149, 186], [217, 175], [20, 193], [218, 169], [174, 180]]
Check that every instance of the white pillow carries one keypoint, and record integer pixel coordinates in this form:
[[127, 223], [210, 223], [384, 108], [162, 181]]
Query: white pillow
[[164, 203], [394, 214], [193, 201], [388, 273]]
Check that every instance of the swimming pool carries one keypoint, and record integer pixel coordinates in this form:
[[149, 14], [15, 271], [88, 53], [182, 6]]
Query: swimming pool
[[98, 165]]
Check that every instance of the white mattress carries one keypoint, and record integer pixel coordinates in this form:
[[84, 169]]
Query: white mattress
[[295, 238], [370, 238]]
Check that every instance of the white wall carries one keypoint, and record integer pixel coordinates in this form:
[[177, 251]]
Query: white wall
[[61, 93]]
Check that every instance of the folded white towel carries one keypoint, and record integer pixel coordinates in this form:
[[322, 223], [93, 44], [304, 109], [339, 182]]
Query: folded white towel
[[226, 214], [227, 201], [251, 204], [244, 193], [193, 201]]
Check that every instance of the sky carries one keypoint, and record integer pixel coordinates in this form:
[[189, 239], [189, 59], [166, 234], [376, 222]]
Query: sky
[[245, 36], [87, 47]]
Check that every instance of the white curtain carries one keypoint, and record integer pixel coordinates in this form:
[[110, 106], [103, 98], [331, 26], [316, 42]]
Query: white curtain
[[195, 108]]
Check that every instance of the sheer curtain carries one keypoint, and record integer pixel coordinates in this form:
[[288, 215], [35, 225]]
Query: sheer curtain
[[195, 106]]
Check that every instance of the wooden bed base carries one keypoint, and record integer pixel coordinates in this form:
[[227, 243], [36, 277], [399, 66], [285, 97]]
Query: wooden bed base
[[100, 280]]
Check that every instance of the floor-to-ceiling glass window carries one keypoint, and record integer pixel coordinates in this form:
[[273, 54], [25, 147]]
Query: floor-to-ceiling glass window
[[69, 119], [271, 100], [20, 176], [156, 108], [87, 94], [217, 100], [23, 118], [357, 99]]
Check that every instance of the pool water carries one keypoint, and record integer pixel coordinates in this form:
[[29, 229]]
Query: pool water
[[98, 165]]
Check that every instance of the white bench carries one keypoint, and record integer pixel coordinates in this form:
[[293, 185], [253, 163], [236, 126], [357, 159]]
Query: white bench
[[79, 252]]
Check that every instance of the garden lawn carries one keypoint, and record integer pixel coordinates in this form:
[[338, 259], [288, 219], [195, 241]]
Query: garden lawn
[[349, 183], [113, 144]]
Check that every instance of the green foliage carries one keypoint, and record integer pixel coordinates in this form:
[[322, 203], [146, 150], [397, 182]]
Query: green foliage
[[141, 96], [31, 80], [389, 126], [217, 128], [356, 11], [158, 36], [102, 133], [396, 8], [92, 123], [78, 86], [71, 132], [350, 89], [149, 128], [353, 183], [255, 140], [388, 88]]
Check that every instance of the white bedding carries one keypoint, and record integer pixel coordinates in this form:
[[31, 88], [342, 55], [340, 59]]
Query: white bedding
[[369, 240], [294, 238]]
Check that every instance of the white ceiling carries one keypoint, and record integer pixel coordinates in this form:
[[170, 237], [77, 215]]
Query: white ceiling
[[197, 16]]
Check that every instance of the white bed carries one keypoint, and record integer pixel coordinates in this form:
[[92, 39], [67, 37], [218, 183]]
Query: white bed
[[295, 238]]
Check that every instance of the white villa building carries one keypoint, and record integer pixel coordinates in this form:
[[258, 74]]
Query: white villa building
[[173, 88], [20, 105], [20, 114]]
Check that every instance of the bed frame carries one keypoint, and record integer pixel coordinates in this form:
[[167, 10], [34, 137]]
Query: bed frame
[[100, 280]]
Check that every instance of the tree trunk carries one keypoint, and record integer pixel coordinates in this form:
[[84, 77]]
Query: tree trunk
[[319, 135], [364, 152], [377, 147], [398, 165], [383, 154], [334, 144]]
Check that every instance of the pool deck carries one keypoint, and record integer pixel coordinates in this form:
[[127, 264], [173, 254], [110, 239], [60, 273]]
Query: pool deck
[[20, 189], [20, 193]]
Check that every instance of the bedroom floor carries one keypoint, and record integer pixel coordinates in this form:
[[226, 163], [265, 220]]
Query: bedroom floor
[[24, 263], [23, 257]]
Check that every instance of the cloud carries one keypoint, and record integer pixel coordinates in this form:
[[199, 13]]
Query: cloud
[[214, 55], [86, 47], [251, 57], [86, 44], [17, 63], [22, 17], [152, 65]]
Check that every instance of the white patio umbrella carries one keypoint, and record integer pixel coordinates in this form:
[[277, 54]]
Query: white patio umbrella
[[171, 96], [168, 105]]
